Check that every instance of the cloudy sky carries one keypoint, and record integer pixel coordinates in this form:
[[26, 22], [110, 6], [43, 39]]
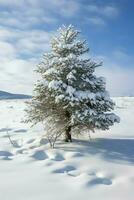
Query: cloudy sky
[[26, 27]]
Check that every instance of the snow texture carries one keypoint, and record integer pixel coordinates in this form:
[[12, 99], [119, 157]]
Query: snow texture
[[100, 169]]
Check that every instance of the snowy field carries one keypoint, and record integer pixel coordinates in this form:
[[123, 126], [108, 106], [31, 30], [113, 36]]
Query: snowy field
[[100, 169]]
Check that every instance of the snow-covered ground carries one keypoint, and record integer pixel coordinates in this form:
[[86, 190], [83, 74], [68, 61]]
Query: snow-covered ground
[[100, 169]]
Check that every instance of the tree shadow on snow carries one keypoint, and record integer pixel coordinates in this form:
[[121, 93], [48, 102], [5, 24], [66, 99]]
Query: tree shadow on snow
[[114, 150], [5, 129], [5, 155], [21, 131]]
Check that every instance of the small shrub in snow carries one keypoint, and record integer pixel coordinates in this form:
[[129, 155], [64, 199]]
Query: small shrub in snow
[[69, 94]]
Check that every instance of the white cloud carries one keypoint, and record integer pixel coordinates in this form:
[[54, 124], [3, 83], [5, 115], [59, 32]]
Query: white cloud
[[96, 21], [26, 42], [119, 79], [69, 8], [28, 13], [17, 75], [26, 19], [24, 14], [100, 14], [103, 10], [110, 11], [17, 72], [7, 50], [11, 3]]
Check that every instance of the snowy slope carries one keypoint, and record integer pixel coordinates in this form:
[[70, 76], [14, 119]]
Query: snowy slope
[[101, 169]]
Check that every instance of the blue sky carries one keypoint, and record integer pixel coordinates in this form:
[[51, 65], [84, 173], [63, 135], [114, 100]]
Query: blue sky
[[26, 27]]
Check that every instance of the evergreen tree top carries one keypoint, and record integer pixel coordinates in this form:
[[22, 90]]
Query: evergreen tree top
[[66, 42]]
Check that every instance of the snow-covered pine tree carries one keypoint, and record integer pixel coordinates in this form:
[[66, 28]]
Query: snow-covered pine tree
[[69, 95]]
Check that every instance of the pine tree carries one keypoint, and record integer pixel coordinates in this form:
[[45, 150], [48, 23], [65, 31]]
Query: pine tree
[[69, 96]]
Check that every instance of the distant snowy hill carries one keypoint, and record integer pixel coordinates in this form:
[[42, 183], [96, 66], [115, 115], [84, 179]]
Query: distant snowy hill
[[7, 95]]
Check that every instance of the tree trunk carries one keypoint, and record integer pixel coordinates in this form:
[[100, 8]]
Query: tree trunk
[[68, 137]]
